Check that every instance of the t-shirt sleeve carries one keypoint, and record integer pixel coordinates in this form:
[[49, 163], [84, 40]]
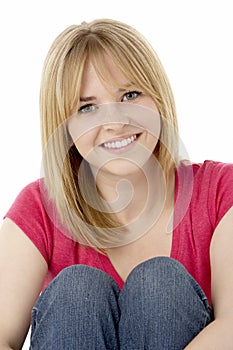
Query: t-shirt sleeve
[[29, 214], [220, 191]]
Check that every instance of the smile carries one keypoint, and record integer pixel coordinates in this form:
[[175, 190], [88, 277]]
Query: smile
[[119, 144]]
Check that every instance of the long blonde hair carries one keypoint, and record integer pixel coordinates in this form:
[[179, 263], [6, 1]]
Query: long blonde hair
[[60, 92]]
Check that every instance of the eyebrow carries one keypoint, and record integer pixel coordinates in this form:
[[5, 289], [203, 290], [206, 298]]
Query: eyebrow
[[91, 98], [86, 99]]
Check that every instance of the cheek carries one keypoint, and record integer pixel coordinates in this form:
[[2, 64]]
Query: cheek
[[148, 102], [153, 133], [86, 143], [152, 142]]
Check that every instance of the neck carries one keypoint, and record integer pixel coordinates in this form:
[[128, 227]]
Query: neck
[[143, 192]]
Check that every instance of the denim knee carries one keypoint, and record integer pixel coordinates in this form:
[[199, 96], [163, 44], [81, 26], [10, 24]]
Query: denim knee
[[77, 310], [78, 285], [166, 305], [162, 274]]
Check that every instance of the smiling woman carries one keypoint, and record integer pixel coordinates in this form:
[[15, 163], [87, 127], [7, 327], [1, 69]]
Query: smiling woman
[[124, 239], [108, 70], [117, 132]]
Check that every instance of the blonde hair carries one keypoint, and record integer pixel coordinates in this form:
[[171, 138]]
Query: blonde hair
[[60, 92]]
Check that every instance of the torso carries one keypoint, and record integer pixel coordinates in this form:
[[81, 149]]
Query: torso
[[156, 242]]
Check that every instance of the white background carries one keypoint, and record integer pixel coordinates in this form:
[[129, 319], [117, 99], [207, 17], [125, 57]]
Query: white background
[[193, 38]]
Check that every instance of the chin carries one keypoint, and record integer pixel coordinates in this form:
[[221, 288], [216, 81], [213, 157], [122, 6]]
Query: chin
[[121, 168]]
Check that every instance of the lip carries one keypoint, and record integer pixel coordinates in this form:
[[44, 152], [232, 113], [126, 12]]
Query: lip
[[120, 138]]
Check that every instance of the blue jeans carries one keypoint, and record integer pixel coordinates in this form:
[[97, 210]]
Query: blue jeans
[[160, 307]]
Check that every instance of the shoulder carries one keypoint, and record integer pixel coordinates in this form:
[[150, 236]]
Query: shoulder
[[29, 213], [27, 196], [30, 198], [213, 169], [212, 187], [211, 173], [214, 179]]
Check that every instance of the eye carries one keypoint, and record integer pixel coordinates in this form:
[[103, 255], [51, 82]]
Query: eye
[[131, 95], [87, 108]]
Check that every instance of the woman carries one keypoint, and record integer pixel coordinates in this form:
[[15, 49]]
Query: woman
[[131, 246]]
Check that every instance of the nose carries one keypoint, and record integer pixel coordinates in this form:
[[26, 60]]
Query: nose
[[114, 116]]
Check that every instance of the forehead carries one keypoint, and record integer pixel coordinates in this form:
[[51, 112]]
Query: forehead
[[104, 71]]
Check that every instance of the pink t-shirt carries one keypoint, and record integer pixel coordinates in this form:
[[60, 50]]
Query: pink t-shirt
[[203, 194]]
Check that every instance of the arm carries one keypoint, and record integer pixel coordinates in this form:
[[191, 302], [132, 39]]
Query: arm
[[22, 271], [219, 334]]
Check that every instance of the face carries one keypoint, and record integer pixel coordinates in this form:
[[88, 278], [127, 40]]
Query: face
[[115, 130]]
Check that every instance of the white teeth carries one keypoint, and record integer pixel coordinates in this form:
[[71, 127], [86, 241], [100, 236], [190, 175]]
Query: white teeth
[[119, 144]]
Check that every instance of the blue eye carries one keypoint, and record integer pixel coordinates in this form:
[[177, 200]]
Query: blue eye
[[131, 95], [87, 108]]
